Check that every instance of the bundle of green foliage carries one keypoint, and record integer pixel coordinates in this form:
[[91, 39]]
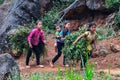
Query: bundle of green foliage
[[75, 52], [19, 40]]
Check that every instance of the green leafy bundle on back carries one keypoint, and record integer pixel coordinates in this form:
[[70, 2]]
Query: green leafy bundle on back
[[18, 40], [74, 52]]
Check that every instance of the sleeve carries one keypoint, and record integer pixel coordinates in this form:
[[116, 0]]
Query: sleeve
[[69, 32], [43, 37], [30, 35], [61, 33], [86, 33]]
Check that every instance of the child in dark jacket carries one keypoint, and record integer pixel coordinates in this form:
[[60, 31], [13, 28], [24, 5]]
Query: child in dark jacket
[[60, 44]]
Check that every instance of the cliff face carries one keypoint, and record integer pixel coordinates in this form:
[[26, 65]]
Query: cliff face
[[119, 15], [21, 12], [84, 11]]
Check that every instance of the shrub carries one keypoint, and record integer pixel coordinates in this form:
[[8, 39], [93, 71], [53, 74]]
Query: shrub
[[105, 33], [19, 39], [116, 22], [113, 4], [50, 18], [1, 1]]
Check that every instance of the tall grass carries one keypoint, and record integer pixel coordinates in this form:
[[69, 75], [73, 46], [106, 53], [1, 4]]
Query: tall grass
[[72, 74]]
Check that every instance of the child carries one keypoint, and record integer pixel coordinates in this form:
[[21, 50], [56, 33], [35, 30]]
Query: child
[[60, 44], [91, 37], [58, 29], [35, 37]]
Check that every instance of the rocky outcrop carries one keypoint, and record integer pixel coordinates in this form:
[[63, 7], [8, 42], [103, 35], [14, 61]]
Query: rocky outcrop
[[86, 11], [84, 7], [119, 15], [8, 66], [22, 12], [95, 4], [4, 9], [114, 48]]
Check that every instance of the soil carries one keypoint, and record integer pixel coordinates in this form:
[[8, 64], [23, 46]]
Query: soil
[[101, 63]]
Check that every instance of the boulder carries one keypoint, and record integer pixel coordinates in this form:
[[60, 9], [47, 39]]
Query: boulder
[[119, 15], [21, 12], [85, 11], [82, 8], [95, 4], [8, 66], [4, 8], [114, 48], [102, 51]]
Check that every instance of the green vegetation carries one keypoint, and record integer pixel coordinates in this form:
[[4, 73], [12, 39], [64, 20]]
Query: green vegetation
[[18, 40], [105, 33], [50, 18], [1, 1], [72, 74], [113, 4], [116, 22], [74, 52]]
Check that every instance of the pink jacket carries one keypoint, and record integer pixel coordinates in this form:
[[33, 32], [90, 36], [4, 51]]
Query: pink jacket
[[35, 36]]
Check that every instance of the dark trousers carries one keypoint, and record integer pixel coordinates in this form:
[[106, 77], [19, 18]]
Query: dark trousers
[[59, 46], [36, 50]]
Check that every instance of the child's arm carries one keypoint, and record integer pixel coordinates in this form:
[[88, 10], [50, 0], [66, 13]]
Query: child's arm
[[78, 38], [30, 37], [95, 42], [43, 37], [81, 36]]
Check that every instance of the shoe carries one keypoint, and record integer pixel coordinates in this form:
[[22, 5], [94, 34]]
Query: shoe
[[66, 65], [51, 64], [27, 67], [82, 69], [41, 66]]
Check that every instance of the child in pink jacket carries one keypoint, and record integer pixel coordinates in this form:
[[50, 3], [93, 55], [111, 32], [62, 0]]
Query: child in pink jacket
[[35, 37]]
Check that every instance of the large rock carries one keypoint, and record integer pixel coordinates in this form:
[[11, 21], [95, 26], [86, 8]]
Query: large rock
[[81, 8], [8, 66], [95, 4], [114, 48], [22, 12], [119, 15], [4, 9], [85, 11], [102, 51]]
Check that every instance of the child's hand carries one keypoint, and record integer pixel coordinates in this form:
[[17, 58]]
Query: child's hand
[[30, 45], [73, 43], [45, 42], [95, 49], [63, 38]]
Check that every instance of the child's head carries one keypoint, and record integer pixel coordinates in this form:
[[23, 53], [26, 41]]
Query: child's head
[[58, 27], [67, 25], [92, 27], [39, 24]]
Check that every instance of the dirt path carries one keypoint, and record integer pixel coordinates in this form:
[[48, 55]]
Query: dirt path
[[101, 63]]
